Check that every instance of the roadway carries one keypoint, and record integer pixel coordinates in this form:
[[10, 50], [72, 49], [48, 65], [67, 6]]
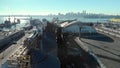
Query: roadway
[[106, 47]]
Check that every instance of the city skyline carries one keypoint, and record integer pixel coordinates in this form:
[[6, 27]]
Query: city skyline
[[45, 7]]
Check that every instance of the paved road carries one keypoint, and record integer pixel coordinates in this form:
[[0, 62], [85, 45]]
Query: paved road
[[107, 48]]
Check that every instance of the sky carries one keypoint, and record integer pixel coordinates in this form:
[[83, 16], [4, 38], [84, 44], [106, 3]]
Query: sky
[[44, 7]]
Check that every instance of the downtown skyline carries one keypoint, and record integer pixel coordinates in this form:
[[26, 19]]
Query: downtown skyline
[[45, 7]]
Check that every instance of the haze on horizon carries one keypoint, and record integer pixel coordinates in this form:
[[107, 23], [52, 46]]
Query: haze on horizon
[[45, 7]]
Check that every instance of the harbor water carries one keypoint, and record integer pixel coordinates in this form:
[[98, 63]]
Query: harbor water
[[24, 22]]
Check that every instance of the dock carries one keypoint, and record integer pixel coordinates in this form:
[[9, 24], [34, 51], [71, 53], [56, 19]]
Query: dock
[[105, 45], [13, 52], [100, 49]]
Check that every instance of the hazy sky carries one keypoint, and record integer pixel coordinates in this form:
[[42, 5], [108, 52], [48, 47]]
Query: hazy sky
[[44, 7]]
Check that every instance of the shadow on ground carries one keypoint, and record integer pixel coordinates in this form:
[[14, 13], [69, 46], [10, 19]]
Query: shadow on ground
[[102, 48], [99, 37]]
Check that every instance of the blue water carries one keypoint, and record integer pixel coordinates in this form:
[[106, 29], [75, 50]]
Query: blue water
[[23, 22], [102, 20], [17, 26], [78, 18]]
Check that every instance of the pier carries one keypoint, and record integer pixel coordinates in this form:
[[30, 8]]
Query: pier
[[57, 48], [105, 45], [11, 56]]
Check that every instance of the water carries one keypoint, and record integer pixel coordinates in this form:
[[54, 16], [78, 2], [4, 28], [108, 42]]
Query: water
[[2, 19], [23, 22], [17, 26], [49, 18]]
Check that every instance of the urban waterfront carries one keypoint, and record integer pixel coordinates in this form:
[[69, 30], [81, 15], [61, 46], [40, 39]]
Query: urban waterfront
[[59, 34]]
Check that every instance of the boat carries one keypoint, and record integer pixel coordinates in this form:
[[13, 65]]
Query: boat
[[8, 23]]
